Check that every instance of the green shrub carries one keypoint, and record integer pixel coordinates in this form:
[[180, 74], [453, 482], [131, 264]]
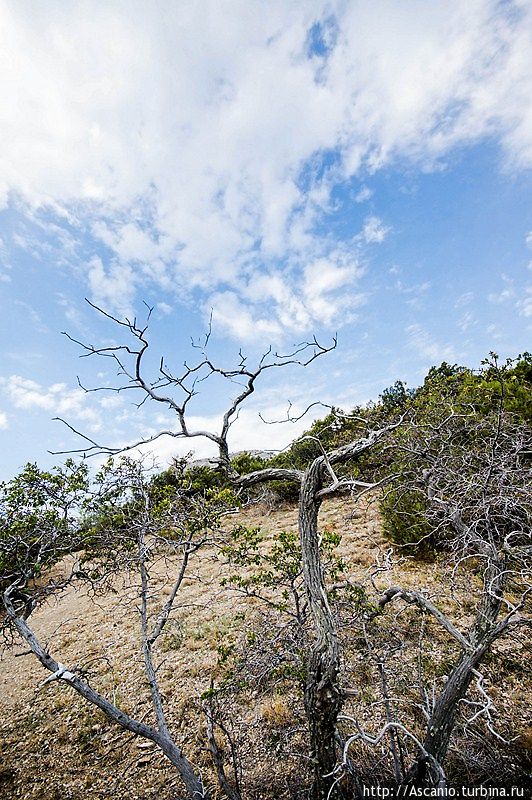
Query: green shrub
[[245, 462], [37, 520], [404, 522], [465, 407]]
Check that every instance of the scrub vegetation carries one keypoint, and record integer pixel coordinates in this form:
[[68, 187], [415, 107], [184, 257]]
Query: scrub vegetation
[[351, 612]]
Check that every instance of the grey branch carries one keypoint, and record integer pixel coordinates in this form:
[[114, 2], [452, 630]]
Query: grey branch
[[417, 599], [193, 784]]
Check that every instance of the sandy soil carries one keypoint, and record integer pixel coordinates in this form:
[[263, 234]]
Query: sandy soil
[[53, 746]]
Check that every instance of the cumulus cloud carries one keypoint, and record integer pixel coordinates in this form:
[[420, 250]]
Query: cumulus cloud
[[26, 394], [268, 305], [374, 230], [164, 308], [200, 143], [112, 287], [237, 319], [3, 421]]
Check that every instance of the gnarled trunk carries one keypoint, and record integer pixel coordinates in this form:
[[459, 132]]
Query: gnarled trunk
[[323, 697], [442, 720]]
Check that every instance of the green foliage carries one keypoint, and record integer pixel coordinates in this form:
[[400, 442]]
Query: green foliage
[[476, 399], [163, 504], [276, 566], [243, 546], [186, 480], [405, 524], [324, 434], [45, 515], [277, 570], [202, 478], [37, 519], [395, 398], [245, 462], [462, 389], [111, 510], [509, 384], [339, 428], [224, 652]]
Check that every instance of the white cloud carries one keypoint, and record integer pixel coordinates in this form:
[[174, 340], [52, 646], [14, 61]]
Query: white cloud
[[374, 230], [504, 295], [3, 421], [268, 306], [236, 318], [112, 401], [466, 321], [326, 288], [495, 332], [181, 132], [248, 432], [364, 194], [71, 311], [464, 299], [525, 304], [414, 292], [112, 287], [501, 297], [26, 394]]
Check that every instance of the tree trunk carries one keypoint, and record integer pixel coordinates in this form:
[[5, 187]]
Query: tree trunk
[[441, 724], [323, 697]]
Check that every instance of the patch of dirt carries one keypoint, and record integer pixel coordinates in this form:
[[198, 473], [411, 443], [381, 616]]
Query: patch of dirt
[[54, 746]]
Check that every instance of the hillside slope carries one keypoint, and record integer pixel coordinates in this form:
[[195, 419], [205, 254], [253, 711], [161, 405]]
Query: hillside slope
[[54, 746]]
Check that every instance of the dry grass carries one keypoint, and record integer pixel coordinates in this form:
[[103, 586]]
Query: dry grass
[[277, 713], [56, 747]]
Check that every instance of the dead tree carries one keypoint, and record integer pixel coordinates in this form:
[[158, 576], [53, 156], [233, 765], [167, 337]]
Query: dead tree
[[323, 695], [472, 473], [136, 536], [129, 360]]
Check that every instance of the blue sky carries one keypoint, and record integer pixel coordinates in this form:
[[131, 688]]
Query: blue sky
[[297, 168]]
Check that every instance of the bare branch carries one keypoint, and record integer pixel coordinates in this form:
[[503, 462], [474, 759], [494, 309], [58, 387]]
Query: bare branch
[[122, 718], [416, 598]]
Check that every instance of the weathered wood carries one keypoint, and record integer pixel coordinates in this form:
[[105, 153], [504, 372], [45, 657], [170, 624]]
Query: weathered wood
[[323, 696], [269, 474], [481, 636], [193, 783]]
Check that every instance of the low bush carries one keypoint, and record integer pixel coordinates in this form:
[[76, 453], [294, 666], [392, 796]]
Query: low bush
[[405, 525]]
